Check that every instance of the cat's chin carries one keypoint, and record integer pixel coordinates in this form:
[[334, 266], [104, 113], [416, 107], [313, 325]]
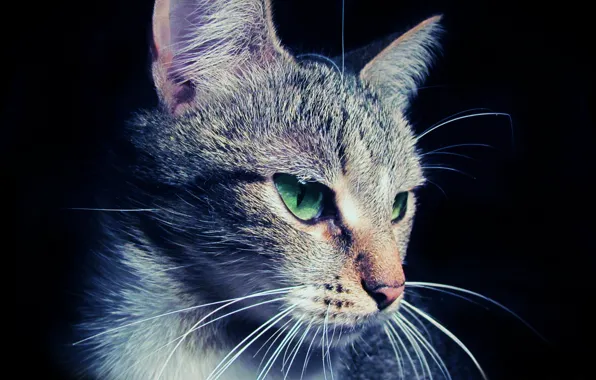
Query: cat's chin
[[343, 330]]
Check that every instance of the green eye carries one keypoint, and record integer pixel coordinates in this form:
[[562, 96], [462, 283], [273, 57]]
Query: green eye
[[304, 200], [399, 206]]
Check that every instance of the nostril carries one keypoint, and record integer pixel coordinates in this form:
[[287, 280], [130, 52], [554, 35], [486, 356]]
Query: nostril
[[381, 299], [383, 295]]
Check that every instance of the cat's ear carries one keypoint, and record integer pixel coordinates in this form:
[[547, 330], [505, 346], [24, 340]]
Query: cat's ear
[[202, 45], [397, 71]]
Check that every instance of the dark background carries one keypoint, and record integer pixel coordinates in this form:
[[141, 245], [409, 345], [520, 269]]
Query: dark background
[[517, 226]]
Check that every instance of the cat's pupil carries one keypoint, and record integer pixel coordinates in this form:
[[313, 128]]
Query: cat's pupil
[[301, 194]]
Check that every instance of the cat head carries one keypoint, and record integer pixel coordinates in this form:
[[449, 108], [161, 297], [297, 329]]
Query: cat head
[[274, 173]]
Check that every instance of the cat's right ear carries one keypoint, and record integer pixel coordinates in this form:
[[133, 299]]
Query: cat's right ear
[[396, 72], [201, 46]]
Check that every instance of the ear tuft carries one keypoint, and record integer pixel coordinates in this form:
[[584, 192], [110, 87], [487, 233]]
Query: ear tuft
[[397, 71]]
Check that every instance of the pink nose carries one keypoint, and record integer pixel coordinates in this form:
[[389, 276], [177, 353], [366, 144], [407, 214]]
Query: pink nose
[[385, 295]]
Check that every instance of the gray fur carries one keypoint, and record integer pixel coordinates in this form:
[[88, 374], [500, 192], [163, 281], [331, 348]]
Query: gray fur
[[219, 230]]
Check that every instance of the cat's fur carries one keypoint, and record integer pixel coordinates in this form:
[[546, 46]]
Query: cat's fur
[[236, 109]]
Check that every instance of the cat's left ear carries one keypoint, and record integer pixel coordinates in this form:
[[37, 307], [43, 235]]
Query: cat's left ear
[[397, 71], [205, 46]]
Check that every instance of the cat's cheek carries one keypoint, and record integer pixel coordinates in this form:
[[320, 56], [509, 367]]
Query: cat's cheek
[[402, 232]]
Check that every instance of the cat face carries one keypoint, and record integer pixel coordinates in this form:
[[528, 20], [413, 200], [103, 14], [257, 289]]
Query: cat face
[[277, 174]]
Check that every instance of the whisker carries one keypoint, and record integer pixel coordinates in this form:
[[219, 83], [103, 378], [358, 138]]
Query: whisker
[[341, 329], [396, 351], [448, 333], [277, 334], [443, 86], [426, 332], [458, 146], [439, 187], [448, 168], [406, 324], [268, 292], [432, 286], [307, 357], [447, 153], [327, 59], [368, 345], [285, 358], [332, 336], [196, 327], [221, 367], [323, 349], [281, 333], [460, 113], [465, 117], [417, 350], [454, 295], [277, 351], [298, 347], [407, 352], [328, 354]]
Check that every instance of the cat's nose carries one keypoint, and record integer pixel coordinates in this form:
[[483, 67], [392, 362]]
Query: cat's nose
[[383, 295]]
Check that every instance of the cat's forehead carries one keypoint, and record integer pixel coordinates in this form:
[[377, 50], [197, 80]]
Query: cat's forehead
[[317, 120], [309, 121]]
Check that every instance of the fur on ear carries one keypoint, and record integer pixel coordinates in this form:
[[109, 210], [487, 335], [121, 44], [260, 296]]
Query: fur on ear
[[397, 71], [202, 45]]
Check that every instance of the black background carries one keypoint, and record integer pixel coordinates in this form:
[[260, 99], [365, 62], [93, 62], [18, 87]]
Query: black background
[[517, 226]]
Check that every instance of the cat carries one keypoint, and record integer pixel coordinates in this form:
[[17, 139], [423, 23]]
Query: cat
[[270, 208]]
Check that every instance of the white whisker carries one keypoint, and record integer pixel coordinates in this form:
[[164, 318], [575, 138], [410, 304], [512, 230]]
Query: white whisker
[[457, 146], [461, 118], [328, 354], [417, 350], [277, 351], [396, 351], [461, 113], [277, 334], [285, 358], [431, 167], [341, 329], [422, 325], [198, 325], [437, 186], [321, 57], [446, 153], [453, 294], [297, 348], [221, 367], [439, 287], [332, 336], [449, 334], [260, 294], [407, 352], [323, 350], [425, 343], [307, 357]]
